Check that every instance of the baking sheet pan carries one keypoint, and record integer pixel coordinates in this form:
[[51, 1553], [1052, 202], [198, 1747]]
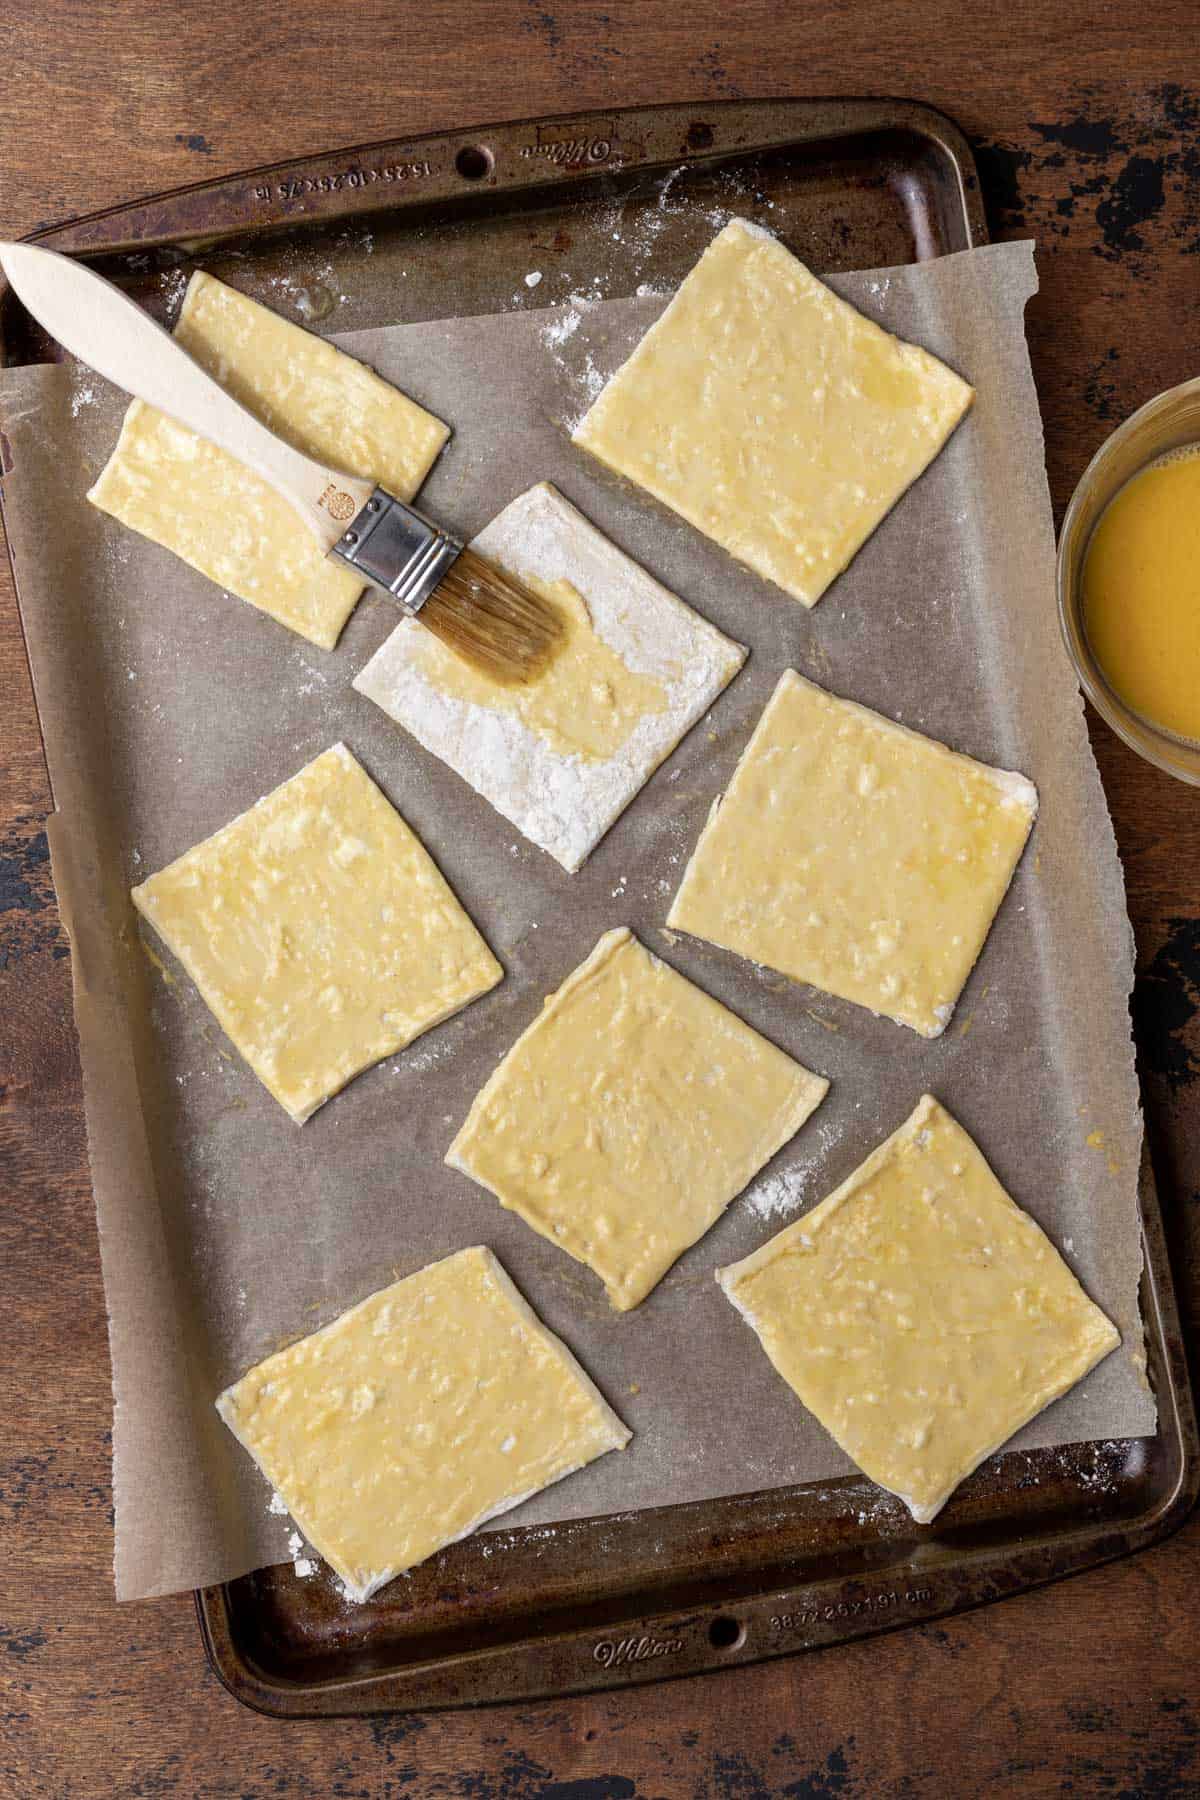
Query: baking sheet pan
[[264, 1633]]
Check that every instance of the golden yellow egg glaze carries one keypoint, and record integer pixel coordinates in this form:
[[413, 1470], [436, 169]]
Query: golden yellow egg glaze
[[1141, 593]]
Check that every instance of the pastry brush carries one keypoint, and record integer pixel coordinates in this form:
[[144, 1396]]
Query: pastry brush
[[479, 611]]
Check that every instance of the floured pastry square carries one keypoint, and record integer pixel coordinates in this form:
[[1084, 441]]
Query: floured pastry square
[[564, 756], [427, 1409], [920, 1314], [772, 415], [209, 509], [319, 931], [629, 1114], [859, 856]]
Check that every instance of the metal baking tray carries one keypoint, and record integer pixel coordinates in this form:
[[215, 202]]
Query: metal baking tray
[[450, 225]]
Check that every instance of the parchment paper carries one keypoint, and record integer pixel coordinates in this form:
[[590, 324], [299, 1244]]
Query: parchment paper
[[167, 706]]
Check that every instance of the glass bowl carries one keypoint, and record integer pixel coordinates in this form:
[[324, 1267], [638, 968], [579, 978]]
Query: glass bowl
[[1164, 423]]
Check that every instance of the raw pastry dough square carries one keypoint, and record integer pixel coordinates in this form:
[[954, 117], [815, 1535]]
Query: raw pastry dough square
[[772, 415], [319, 931], [859, 856], [201, 503], [562, 758], [920, 1314], [625, 1119], [423, 1411]]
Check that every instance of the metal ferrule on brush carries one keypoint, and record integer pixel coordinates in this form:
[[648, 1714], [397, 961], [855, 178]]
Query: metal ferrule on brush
[[394, 548]]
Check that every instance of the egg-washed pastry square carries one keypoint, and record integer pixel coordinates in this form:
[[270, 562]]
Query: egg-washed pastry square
[[772, 415], [629, 1114], [564, 756], [319, 931], [856, 855], [422, 1412], [920, 1314], [201, 503]]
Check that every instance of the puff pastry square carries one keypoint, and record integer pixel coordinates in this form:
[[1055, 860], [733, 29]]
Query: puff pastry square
[[920, 1314], [204, 505], [425, 1410], [562, 758], [859, 856], [772, 415], [319, 931], [629, 1114]]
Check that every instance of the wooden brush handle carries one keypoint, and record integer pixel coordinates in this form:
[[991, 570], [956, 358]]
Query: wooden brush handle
[[112, 334]]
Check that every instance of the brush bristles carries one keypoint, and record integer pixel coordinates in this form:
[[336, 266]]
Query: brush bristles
[[493, 620]]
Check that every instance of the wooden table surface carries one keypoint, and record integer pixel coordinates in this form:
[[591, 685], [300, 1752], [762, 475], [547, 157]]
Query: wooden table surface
[[1086, 122]]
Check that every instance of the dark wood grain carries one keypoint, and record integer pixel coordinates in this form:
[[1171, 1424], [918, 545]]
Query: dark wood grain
[[1087, 123]]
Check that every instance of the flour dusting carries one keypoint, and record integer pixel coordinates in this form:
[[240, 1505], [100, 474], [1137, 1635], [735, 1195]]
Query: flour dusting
[[562, 326], [779, 1195]]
